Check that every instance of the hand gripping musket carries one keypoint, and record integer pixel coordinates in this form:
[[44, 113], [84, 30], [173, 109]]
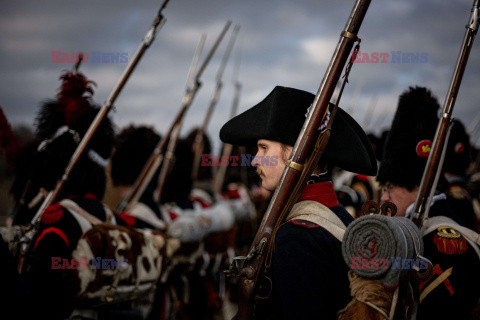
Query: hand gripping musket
[[435, 159], [189, 95], [307, 151], [147, 41], [157, 155], [198, 142]]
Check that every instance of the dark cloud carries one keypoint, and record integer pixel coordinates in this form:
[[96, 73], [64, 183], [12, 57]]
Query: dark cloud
[[283, 42]]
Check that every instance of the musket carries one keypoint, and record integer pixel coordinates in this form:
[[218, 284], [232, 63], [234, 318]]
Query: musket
[[370, 112], [156, 158], [472, 126], [102, 113], [308, 149], [77, 65], [473, 129], [28, 184], [227, 148], [198, 142], [188, 99], [434, 164]]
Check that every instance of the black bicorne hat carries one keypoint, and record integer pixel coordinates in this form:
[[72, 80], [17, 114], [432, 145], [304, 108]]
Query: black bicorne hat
[[280, 117], [410, 138]]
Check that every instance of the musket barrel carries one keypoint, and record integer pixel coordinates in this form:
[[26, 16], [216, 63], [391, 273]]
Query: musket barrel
[[212, 51], [198, 142], [227, 150], [292, 181], [435, 158], [187, 101], [52, 196], [307, 135], [156, 157]]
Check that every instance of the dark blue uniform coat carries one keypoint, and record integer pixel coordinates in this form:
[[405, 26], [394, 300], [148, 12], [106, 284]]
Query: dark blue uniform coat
[[309, 274]]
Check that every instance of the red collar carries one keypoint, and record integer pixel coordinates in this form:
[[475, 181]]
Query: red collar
[[321, 192]]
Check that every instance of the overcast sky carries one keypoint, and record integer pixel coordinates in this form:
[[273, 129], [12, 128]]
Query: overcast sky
[[282, 42]]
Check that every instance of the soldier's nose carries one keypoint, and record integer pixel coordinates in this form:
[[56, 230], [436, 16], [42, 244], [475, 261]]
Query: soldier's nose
[[385, 196], [255, 161]]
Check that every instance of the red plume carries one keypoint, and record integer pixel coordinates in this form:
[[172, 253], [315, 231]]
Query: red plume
[[75, 94], [8, 140]]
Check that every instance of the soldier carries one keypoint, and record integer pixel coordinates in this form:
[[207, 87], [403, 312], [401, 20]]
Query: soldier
[[133, 147], [452, 291], [308, 272], [50, 271], [457, 161]]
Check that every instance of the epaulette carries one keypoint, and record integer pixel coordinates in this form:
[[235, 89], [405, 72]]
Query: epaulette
[[52, 214], [449, 241]]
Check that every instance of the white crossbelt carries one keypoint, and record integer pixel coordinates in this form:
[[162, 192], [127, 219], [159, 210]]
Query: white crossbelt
[[319, 214]]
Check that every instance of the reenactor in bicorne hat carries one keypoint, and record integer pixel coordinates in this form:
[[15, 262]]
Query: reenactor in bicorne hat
[[452, 290], [309, 275]]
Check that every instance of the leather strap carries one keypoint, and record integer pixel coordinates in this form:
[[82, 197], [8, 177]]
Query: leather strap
[[82, 216], [319, 214]]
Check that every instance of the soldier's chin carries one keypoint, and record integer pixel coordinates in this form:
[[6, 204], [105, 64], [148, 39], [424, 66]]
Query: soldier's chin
[[267, 186]]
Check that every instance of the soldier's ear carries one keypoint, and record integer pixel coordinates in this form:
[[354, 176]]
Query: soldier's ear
[[286, 152]]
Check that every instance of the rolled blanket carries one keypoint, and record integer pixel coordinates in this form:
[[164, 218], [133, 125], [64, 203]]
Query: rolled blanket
[[194, 225], [382, 247], [221, 217]]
